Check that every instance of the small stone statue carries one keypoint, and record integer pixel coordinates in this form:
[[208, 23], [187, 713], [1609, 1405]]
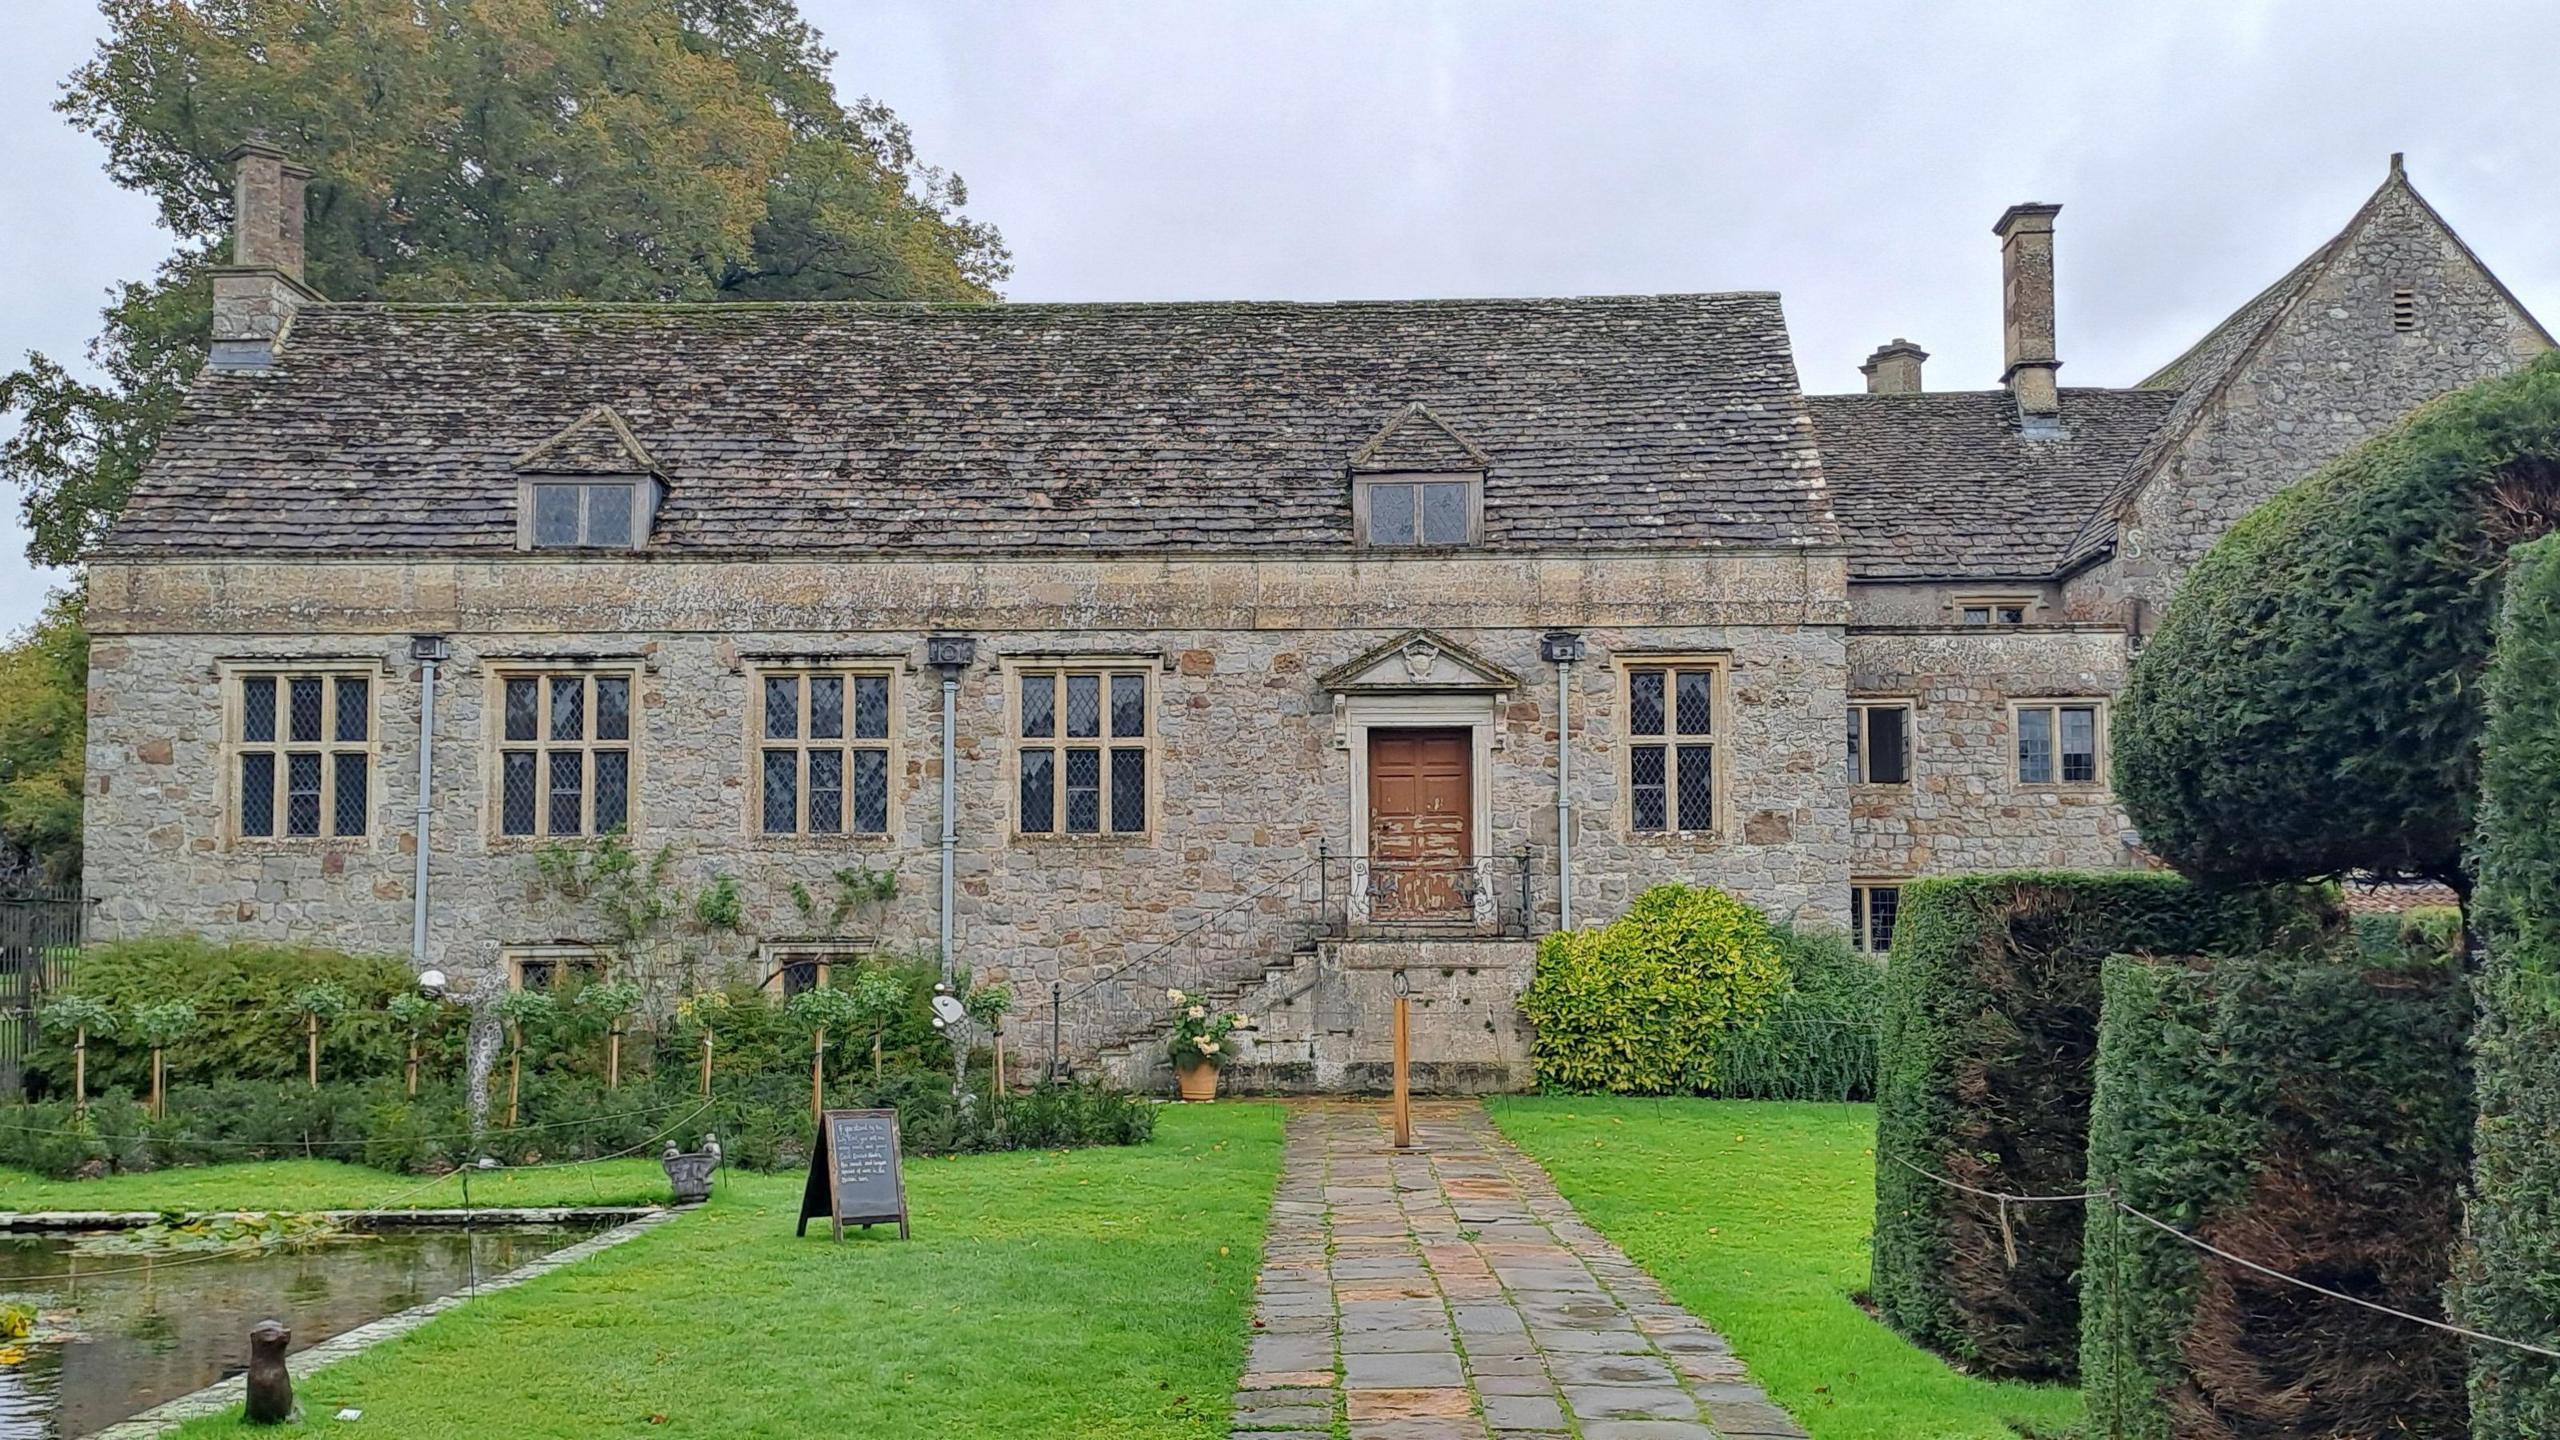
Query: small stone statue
[[270, 1385]]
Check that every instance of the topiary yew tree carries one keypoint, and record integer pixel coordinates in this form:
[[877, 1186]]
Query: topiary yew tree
[[2311, 706], [2510, 1275]]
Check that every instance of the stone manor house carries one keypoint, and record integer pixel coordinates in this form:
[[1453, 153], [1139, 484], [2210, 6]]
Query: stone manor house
[[1295, 651]]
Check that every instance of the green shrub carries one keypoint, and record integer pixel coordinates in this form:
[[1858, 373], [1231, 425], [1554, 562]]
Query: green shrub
[[2510, 1283], [1984, 1073], [1819, 1043], [2308, 1110], [1640, 1005], [247, 1027], [2310, 705], [753, 1034]]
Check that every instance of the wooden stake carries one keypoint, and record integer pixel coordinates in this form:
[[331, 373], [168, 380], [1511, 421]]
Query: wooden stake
[[818, 1075], [706, 1064], [159, 1106], [413, 1065], [515, 1070], [995, 1085], [1404, 1079], [80, 1071], [311, 1046], [613, 1057], [875, 1057]]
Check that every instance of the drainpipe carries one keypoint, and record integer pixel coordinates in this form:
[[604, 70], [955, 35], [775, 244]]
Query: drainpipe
[[428, 651], [949, 654], [1563, 647]]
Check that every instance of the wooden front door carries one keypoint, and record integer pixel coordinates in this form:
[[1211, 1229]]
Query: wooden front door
[[1421, 824]]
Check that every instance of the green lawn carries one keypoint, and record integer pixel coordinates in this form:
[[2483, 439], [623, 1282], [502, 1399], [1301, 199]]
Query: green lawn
[[1756, 1216], [1097, 1294], [333, 1185]]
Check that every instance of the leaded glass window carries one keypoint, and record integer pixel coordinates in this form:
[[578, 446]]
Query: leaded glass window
[[822, 752], [564, 758], [1672, 721], [2059, 743], [1082, 743], [302, 748]]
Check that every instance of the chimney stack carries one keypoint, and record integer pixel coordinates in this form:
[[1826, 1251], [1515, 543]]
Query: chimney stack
[[1894, 369], [256, 295], [2026, 313]]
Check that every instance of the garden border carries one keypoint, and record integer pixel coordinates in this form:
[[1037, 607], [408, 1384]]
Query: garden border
[[222, 1395], [23, 1222]]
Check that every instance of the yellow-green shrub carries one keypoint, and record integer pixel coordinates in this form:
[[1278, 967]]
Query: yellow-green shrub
[[1641, 1005]]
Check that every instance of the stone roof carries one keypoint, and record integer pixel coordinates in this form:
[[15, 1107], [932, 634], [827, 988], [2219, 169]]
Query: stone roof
[[1668, 420], [1941, 485]]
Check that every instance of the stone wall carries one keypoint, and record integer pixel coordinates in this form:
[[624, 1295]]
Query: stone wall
[[2333, 373], [1250, 777], [1964, 809]]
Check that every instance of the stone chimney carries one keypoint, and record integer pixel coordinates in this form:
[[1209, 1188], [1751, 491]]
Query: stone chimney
[[2026, 313], [256, 295], [1894, 369]]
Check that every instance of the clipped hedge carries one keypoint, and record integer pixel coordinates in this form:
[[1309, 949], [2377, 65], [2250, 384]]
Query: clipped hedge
[[2510, 1282], [2310, 705], [1819, 1041], [2306, 1110], [1640, 1005], [1989, 1036]]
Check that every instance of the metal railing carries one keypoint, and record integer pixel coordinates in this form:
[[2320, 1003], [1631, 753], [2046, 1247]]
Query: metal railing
[[40, 935], [1489, 895]]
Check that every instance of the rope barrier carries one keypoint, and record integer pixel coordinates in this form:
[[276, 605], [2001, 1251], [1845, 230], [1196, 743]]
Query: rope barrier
[[2006, 1199], [358, 1144]]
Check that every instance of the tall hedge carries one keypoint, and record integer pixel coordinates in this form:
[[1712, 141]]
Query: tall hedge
[[1990, 1030], [2311, 703], [2511, 1273], [246, 1027], [2309, 1111]]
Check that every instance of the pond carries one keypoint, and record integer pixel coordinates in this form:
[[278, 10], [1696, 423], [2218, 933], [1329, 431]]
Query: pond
[[154, 1330]]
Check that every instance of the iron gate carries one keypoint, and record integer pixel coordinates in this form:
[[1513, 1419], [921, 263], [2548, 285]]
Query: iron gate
[[40, 934]]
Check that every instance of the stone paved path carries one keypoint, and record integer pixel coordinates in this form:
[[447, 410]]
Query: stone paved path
[[1452, 1294]]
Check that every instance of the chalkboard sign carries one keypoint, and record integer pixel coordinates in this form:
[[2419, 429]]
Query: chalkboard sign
[[853, 1173]]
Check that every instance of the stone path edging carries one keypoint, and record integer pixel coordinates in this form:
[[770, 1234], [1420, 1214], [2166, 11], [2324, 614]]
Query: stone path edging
[[1450, 1293], [224, 1395], [21, 1222]]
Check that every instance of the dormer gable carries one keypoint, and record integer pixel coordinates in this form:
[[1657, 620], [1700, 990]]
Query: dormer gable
[[1418, 440], [591, 486], [596, 443]]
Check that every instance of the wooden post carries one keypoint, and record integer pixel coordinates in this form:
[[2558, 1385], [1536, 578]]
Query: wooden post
[[413, 1066], [706, 1064], [311, 1046], [613, 1057], [995, 1085], [80, 1071], [515, 1069], [875, 1057], [159, 1106], [1404, 1079], [818, 1075]]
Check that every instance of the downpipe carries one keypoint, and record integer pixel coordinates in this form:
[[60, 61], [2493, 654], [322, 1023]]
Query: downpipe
[[950, 654], [1564, 648], [428, 651]]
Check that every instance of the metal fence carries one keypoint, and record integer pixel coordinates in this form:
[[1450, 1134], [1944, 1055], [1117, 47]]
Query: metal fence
[[40, 935]]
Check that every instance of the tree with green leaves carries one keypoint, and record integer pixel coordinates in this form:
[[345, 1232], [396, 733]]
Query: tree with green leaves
[[644, 150], [2311, 706], [43, 729]]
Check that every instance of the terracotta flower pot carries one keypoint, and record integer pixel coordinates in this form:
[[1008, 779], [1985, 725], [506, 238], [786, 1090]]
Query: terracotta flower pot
[[1199, 1082]]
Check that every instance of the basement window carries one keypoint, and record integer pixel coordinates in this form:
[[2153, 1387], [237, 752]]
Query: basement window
[[1873, 907]]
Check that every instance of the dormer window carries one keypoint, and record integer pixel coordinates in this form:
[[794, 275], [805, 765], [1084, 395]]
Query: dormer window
[[1399, 511], [586, 514]]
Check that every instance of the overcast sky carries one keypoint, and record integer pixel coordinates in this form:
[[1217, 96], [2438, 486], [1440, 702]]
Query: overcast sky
[[1851, 156]]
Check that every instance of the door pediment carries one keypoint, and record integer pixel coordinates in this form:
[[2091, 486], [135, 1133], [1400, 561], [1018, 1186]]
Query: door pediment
[[1418, 661]]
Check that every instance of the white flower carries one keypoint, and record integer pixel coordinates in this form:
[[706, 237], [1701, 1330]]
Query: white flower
[[1198, 1012], [1208, 1046], [1239, 1019], [1173, 997]]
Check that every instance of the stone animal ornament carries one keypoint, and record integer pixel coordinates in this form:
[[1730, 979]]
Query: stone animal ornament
[[270, 1384]]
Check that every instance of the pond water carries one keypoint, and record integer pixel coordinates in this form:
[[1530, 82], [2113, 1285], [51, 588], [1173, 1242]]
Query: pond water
[[155, 1330]]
